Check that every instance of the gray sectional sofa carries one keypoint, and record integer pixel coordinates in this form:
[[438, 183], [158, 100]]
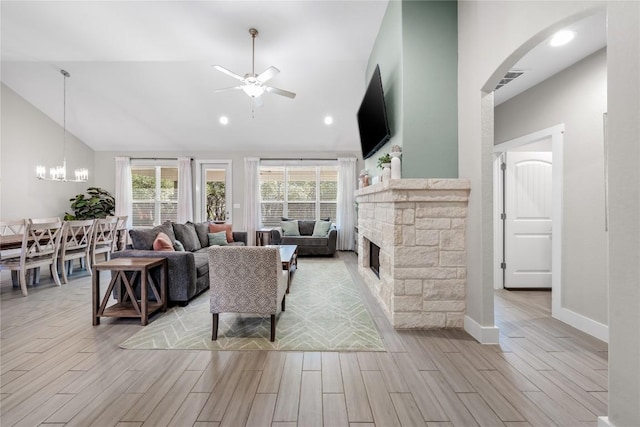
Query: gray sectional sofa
[[189, 269], [306, 242]]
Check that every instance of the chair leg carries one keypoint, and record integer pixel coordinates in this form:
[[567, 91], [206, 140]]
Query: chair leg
[[214, 332], [54, 273], [66, 267], [283, 298], [23, 282], [273, 327]]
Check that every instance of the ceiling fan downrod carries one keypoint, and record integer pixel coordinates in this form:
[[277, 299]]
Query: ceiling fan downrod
[[253, 33]]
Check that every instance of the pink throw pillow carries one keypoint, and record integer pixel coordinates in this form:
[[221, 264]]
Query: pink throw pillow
[[163, 243], [215, 228]]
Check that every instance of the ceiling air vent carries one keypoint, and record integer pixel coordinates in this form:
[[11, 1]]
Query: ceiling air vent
[[510, 76]]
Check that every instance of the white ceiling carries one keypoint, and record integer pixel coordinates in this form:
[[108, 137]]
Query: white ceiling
[[543, 61], [141, 75]]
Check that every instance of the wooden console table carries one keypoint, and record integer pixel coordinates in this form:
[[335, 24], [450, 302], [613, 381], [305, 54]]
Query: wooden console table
[[125, 271]]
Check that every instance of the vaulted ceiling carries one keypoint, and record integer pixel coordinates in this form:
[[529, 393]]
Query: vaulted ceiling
[[142, 76]]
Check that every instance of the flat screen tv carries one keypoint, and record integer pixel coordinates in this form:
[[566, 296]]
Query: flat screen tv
[[372, 117]]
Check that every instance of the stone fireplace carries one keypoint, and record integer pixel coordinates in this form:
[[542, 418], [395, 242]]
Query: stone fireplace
[[419, 226]]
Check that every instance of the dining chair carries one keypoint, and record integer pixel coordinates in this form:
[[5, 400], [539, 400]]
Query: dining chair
[[104, 234], [11, 233], [40, 245], [120, 241], [11, 242], [76, 244], [45, 220]]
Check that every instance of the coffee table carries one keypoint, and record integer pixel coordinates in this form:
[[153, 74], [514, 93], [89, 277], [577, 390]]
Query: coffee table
[[289, 257]]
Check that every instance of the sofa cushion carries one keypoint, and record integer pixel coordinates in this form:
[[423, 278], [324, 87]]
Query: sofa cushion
[[290, 228], [202, 263], [228, 228], [143, 238], [178, 246], [321, 229], [202, 230], [305, 241], [218, 239], [186, 233], [162, 242], [306, 227]]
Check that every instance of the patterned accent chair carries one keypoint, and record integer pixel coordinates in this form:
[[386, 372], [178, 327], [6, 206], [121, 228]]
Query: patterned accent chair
[[246, 279]]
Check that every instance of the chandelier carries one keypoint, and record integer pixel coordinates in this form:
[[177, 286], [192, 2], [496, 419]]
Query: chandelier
[[59, 173]]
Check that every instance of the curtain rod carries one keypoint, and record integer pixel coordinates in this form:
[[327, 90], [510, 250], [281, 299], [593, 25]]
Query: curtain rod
[[156, 158], [294, 158]]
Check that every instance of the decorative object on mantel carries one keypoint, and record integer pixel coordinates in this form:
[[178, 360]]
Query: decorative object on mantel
[[384, 162], [363, 178], [59, 173], [396, 165]]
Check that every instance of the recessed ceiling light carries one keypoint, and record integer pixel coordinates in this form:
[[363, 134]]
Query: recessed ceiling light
[[224, 120], [561, 38], [328, 120]]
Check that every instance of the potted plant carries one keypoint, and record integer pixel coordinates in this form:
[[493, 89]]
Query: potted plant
[[384, 160], [98, 204]]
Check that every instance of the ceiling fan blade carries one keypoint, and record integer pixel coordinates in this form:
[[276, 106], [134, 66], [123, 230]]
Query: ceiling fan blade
[[280, 92], [224, 89], [227, 72], [267, 74]]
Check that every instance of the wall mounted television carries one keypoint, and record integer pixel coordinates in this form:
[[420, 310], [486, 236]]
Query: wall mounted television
[[372, 117]]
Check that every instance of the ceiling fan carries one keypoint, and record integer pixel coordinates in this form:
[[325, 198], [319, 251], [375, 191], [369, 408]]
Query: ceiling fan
[[254, 84]]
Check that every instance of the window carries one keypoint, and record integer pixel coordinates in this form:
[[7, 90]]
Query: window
[[213, 201], [154, 194], [300, 192]]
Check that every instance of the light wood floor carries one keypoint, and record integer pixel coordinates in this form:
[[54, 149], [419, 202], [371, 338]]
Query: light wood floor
[[57, 369]]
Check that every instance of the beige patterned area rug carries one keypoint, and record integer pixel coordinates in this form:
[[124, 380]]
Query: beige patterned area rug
[[324, 312]]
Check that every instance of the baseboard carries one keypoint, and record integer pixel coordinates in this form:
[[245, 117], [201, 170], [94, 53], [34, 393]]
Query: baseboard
[[582, 323], [483, 334], [604, 422]]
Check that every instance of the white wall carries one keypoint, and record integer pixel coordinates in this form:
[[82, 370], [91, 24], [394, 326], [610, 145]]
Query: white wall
[[576, 97], [30, 138], [623, 136], [493, 35]]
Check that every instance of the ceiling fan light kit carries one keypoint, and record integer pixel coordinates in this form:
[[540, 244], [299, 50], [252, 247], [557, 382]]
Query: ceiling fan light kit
[[254, 84]]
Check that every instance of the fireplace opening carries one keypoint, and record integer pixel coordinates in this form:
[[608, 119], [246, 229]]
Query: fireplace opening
[[374, 258]]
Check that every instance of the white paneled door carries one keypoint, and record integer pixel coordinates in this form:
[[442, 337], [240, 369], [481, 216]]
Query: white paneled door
[[528, 182]]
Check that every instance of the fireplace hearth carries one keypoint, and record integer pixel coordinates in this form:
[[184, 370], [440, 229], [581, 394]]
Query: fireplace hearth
[[411, 249]]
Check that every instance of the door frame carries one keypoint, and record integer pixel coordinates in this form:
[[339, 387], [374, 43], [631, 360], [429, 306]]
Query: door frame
[[228, 189], [556, 133]]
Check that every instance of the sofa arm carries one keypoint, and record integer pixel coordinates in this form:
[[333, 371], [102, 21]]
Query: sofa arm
[[181, 270], [276, 236], [333, 238], [240, 236]]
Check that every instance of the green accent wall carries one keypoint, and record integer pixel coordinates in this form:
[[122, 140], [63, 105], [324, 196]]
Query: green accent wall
[[417, 50]]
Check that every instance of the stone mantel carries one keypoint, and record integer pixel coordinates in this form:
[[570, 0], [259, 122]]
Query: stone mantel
[[419, 225]]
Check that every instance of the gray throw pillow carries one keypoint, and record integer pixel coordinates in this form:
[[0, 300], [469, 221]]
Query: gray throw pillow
[[142, 239], [306, 227], [202, 230], [186, 233]]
